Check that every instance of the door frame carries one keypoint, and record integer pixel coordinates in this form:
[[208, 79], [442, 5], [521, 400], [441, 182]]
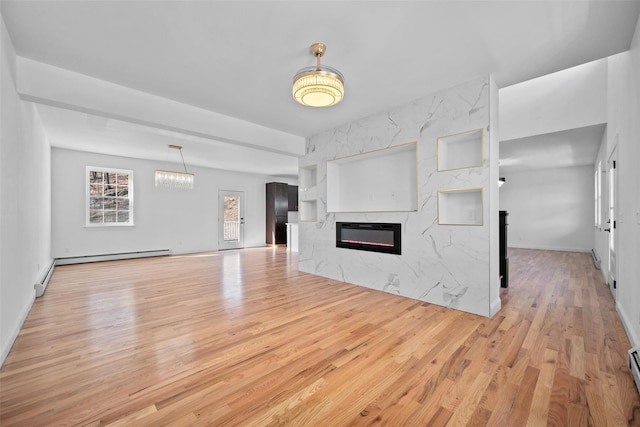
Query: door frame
[[230, 244], [612, 209]]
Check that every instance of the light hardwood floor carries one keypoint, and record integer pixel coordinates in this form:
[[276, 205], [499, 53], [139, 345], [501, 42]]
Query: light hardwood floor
[[243, 338]]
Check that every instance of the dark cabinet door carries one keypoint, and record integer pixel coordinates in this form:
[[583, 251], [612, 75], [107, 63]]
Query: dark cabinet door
[[281, 230], [281, 200], [276, 213], [293, 198]]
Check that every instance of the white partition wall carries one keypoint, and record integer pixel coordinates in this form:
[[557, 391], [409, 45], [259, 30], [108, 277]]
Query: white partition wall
[[386, 169]]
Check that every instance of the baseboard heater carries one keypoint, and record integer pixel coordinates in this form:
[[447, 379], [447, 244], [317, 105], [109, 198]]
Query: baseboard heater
[[634, 365], [596, 258], [111, 257], [42, 284]]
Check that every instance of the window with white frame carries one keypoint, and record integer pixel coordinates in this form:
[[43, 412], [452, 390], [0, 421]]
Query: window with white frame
[[109, 197]]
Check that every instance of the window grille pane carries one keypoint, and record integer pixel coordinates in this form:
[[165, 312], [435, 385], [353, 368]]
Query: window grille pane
[[110, 190], [123, 191], [95, 177], [95, 217], [95, 203], [123, 180], [110, 178], [123, 216], [109, 204], [110, 216], [123, 204]]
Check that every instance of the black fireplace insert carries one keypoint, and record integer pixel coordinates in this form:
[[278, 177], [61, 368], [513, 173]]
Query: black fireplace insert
[[369, 236]]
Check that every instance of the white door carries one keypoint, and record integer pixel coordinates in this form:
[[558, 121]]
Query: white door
[[612, 190], [230, 219]]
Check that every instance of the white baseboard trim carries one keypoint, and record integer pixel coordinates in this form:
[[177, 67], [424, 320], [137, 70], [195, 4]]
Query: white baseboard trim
[[548, 248], [627, 323], [16, 330], [496, 305], [192, 251]]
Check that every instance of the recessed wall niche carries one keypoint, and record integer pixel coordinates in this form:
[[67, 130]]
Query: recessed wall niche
[[461, 150], [308, 210], [377, 181], [308, 193], [308, 177], [460, 207]]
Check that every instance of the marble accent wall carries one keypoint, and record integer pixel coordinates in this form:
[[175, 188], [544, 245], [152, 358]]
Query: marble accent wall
[[449, 265]]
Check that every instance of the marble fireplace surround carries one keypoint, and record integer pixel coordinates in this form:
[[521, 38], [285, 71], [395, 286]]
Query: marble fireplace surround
[[447, 264]]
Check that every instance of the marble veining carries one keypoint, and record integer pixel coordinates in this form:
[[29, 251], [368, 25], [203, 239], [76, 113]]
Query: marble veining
[[441, 264], [393, 284]]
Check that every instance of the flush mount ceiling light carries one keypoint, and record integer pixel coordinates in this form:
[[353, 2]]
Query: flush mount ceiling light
[[318, 86], [175, 180]]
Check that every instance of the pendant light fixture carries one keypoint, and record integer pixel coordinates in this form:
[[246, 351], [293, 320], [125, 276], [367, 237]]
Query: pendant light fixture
[[318, 86], [175, 180]]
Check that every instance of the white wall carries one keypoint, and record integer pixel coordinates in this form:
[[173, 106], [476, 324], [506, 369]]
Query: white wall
[[550, 208], [182, 221], [25, 202], [629, 300], [623, 131], [568, 99]]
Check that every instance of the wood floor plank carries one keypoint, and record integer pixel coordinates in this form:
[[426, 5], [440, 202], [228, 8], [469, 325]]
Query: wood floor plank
[[522, 402], [540, 403], [244, 338]]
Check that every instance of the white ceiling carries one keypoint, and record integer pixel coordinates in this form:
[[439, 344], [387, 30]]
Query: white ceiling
[[238, 58], [72, 130], [568, 148]]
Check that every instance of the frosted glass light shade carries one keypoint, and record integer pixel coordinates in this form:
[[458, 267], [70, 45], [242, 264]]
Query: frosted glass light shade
[[174, 180], [318, 86]]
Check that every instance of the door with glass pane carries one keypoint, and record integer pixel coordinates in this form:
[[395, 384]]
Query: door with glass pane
[[230, 219]]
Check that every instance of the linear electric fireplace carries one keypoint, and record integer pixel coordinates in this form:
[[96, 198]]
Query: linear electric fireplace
[[369, 236]]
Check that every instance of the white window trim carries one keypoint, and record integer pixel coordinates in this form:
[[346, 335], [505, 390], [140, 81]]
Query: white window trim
[[88, 224]]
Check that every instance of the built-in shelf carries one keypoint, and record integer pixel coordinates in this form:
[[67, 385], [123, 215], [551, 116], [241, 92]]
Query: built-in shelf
[[378, 181], [461, 150], [460, 207], [308, 177], [308, 210]]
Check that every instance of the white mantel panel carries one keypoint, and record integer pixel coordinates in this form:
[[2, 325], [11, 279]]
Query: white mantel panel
[[382, 180], [445, 265]]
